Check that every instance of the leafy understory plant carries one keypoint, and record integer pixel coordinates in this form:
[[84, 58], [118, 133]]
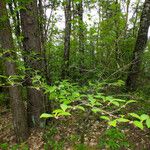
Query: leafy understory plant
[[71, 97]]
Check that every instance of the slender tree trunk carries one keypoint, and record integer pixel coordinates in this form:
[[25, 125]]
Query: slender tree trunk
[[17, 106], [116, 22], [16, 20], [32, 45], [81, 36], [65, 69], [136, 13], [132, 79], [127, 17]]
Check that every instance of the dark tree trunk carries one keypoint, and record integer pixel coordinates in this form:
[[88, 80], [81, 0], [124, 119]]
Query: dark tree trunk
[[81, 36], [42, 31], [132, 79], [32, 45], [17, 106], [65, 68]]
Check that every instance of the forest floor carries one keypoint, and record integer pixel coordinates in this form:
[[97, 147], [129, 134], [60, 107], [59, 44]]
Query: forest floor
[[64, 134]]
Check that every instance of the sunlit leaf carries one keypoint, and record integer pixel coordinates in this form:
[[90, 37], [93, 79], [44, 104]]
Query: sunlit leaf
[[144, 117], [135, 115], [105, 118], [113, 123], [45, 115], [138, 124], [148, 122], [122, 120], [63, 107]]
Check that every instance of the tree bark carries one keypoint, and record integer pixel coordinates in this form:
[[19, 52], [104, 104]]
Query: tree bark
[[32, 46], [65, 68], [17, 106], [134, 71], [81, 36]]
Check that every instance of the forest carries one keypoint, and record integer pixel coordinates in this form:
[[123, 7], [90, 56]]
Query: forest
[[74, 74]]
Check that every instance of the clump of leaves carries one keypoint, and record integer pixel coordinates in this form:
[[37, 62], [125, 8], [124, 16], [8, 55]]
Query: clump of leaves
[[70, 97], [113, 139]]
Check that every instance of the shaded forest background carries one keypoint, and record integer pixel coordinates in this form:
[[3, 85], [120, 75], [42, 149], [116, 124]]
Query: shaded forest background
[[95, 66]]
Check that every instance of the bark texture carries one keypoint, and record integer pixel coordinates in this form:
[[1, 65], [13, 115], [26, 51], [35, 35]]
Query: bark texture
[[132, 79], [65, 71], [81, 36], [17, 106], [33, 60]]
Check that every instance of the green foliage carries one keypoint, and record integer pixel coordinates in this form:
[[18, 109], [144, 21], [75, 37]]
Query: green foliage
[[113, 139], [5, 146], [141, 119], [70, 97]]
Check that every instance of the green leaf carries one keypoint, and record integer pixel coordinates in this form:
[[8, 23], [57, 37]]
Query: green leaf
[[52, 88], [63, 107], [131, 101], [122, 120], [113, 123], [144, 117], [148, 122], [115, 103], [64, 114], [95, 110], [45, 115], [138, 124], [135, 115], [80, 107], [119, 100], [105, 118]]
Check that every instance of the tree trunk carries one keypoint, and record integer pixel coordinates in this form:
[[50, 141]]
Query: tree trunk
[[65, 69], [132, 79], [33, 60], [81, 36], [17, 106]]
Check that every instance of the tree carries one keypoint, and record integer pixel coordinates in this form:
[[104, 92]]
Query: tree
[[17, 106], [33, 60], [134, 70], [81, 35], [65, 69]]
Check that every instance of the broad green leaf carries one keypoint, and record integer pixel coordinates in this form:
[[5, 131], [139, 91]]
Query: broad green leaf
[[138, 124], [135, 115], [148, 122], [63, 107], [105, 118], [115, 103], [64, 113], [131, 101], [119, 100], [95, 110], [122, 120], [113, 123], [144, 117], [80, 107], [56, 111], [52, 88], [45, 115]]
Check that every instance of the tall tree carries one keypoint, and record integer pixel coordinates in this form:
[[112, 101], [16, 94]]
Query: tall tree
[[67, 8], [17, 106], [134, 71], [33, 60], [81, 35], [15, 17]]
